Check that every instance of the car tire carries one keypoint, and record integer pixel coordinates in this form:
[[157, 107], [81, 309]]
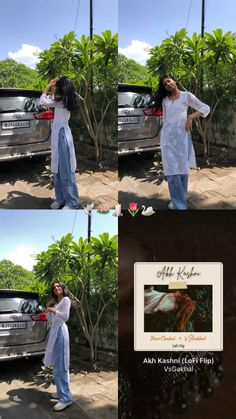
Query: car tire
[[41, 159], [149, 155], [37, 359]]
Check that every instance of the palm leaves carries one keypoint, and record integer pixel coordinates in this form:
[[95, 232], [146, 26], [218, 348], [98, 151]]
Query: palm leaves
[[220, 47], [105, 249], [68, 259], [106, 45], [168, 55], [68, 55], [183, 56]]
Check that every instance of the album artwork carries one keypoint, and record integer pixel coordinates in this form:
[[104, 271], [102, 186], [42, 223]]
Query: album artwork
[[178, 306]]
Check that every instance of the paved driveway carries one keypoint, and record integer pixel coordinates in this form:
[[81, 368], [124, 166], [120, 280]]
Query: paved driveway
[[142, 181], [25, 393], [28, 184]]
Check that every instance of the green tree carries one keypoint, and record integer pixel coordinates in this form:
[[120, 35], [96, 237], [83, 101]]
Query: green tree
[[91, 64], [13, 74], [168, 57], [14, 276], [105, 249], [89, 269], [204, 66], [129, 71]]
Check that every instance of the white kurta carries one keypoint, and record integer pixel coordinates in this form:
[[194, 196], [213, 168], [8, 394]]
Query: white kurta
[[177, 158], [61, 119], [58, 320]]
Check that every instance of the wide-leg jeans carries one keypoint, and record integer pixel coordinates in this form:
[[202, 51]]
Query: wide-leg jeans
[[178, 187], [61, 375], [65, 181]]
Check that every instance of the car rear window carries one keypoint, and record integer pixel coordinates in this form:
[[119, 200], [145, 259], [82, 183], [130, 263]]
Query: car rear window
[[134, 99], [21, 305], [20, 104]]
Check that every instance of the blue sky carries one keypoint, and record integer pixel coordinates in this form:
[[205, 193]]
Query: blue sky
[[26, 232], [149, 23], [39, 23]]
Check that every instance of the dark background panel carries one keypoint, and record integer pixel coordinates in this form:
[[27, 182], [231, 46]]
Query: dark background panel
[[181, 236]]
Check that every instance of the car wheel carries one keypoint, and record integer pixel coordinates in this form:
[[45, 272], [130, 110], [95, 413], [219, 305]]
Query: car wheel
[[41, 159], [149, 155], [37, 359]]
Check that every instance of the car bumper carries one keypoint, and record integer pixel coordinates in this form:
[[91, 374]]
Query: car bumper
[[11, 353], [138, 146], [8, 153], [12, 357]]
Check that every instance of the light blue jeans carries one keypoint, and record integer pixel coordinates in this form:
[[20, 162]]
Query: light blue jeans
[[61, 375], [64, 181], [178, 187]]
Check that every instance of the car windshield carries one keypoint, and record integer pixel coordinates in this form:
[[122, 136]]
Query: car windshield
[[20, 104], [20, 305], [134, 99]]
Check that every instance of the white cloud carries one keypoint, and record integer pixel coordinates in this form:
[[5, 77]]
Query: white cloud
[[22, 255], [27, 54], [137, 50]]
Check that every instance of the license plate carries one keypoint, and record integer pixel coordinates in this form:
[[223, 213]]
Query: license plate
[[128, 120], [12, 325], [15, 124]]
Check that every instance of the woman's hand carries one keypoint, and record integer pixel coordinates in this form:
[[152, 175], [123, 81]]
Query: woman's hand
[[51, 85], [189, 123], [53, 82], [51, 310], [51, 302]]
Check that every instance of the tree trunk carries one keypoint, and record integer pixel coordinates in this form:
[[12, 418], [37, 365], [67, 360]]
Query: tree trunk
[[202, 132], [97, 152], [209, 141], [92, 352], [205, 148]]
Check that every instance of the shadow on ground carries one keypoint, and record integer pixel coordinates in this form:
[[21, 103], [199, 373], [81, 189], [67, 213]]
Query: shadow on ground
[[36, 404], [195, 202], [140, 168], [27, 170], [21, 200], [28, 388], [36, 171]]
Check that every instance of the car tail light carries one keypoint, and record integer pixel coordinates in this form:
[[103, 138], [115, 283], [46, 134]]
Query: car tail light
[[44, 115], [39, 317], [152, 111]]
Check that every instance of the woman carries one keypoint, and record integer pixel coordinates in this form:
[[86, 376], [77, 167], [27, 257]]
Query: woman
[[176, 144], [63, 163], [57, 352], [181, 303]]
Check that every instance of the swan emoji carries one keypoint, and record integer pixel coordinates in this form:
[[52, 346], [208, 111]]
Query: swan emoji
[[88, 208], [147, 211]]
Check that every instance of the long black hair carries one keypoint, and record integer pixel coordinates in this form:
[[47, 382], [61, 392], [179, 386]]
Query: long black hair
[[161, 92], [65, 92], [64, 289]]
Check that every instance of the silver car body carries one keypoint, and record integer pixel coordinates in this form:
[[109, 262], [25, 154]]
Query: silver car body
[[138, 124], [23, 325], [21, 134]]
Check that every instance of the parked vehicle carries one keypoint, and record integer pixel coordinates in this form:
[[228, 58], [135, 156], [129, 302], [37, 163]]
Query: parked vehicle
[[139, 122], [25, 125], [23, 325]]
